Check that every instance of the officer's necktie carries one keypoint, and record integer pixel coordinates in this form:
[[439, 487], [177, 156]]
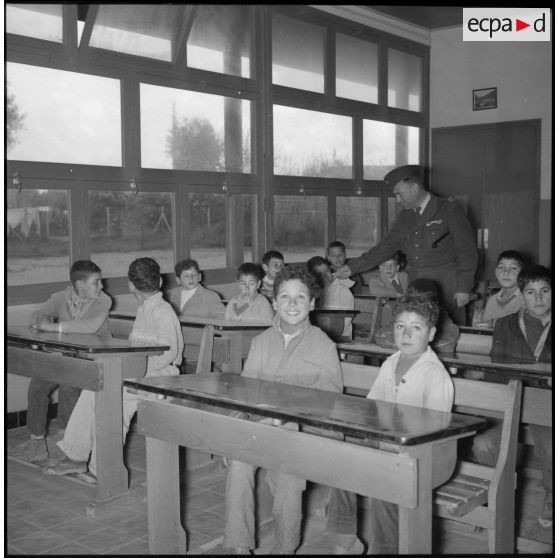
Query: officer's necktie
[[397, 286]]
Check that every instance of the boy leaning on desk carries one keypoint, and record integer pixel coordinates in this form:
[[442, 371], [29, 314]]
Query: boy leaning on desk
[[291, 351], [155, 323], [80, 308], [412, 376]]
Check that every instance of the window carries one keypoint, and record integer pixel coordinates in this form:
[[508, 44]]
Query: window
[[298, 54], [310, 143], [37, 236], [404, 80], [41, 21], [208, 230], [188, 130], [143, 30], [62, 117], [356, 69], [124, 226], [358, 223], [300, 226], [386, 146], [220, 39]]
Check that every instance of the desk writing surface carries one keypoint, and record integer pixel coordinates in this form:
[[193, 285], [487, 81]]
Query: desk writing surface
[[358, 417], [79, 342], [538, 370], [198, 321]]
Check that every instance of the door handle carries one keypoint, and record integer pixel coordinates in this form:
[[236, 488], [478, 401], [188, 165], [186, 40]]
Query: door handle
[[485, 239]]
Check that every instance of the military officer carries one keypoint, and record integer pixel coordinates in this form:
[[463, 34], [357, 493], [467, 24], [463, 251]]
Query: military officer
[[436, 236]]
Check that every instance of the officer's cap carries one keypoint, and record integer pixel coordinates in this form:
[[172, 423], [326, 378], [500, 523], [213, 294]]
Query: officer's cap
[[403, 173]]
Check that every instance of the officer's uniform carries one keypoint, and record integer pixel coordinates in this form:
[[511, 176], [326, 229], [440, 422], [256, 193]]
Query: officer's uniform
[[439, 244]]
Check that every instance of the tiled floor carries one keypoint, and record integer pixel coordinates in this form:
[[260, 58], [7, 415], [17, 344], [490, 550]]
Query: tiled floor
[[49, 515]]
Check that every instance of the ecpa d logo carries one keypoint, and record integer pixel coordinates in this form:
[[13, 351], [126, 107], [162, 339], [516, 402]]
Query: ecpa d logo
[[507, 24]]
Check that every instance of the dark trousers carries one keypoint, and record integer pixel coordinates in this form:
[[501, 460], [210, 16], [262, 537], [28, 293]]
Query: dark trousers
[[38, 399]]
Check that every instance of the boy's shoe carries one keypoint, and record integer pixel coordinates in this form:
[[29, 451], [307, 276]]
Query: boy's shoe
[[66, 467], [34, 449], [350, 544]]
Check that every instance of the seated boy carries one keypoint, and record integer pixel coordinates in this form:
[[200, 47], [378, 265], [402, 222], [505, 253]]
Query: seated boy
[[526, 336], [293, 352], [272, 262], [447, 332], [508, 299], [336, 293], [412, 376], [390, 279], [155, 323], [249, 305], [81, 308], [191, 298], [336, 255]]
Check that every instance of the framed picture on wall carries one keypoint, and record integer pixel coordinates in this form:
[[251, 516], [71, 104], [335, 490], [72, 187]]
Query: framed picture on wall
[[484, 98]]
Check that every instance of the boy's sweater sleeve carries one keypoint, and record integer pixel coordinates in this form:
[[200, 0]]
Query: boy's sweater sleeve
[[331, 378], [47, 309], [96, 315]]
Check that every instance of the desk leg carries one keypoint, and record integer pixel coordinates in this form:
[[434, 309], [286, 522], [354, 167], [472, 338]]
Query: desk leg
[[112, 475], [234, 365], [166, 535], [415, 525]]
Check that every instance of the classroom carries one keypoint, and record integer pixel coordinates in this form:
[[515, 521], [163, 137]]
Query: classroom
[[180, 168]]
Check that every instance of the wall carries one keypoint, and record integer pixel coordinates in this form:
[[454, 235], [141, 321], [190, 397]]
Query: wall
[[521, 71]]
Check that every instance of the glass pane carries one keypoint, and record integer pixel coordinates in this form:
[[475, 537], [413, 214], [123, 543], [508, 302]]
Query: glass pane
[[187, 130], [220, 39], [300, 227], [298, 54], [404, 80], [386, 146], [37, 239], [143, 30], [248, 204], [208, 238], [310, 143], [62, 117], [42, 21], [124, 226], [356, 69], [358, 223]]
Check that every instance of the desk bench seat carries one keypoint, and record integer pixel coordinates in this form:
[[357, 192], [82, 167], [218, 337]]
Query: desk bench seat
[[476, 494]]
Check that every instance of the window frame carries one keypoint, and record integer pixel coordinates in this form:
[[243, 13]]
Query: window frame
[[261, 182]]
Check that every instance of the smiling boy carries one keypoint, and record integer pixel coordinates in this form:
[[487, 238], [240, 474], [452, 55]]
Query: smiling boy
[[272, 262], [294, 352], [249, 305]]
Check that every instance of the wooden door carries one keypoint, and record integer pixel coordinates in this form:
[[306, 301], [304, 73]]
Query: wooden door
[[494, 169]]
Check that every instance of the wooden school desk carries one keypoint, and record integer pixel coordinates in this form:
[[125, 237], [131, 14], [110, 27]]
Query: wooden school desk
[[87, 362], [332, 320], [537, 377], [417, 446], [237, 336]]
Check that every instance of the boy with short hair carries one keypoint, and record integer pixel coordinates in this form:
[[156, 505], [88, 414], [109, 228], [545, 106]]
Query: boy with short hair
[[335, 293], [249, 305], [81, 308], [272, 262], [294, 352], [508, 299], [413, 376], [191, 298], [155, 323], [389, 279], [447, 332], [336, 254], [523, 337]]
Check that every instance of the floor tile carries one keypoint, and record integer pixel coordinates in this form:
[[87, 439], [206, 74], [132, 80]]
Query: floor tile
[[106, 540], [136, 547], [40, 541], [78, 528], [70, 549], [50, 517]]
